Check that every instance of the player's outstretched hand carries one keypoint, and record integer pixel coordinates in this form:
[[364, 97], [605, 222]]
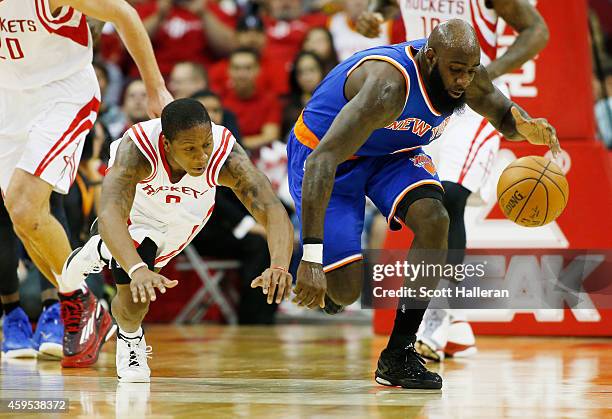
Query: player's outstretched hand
[[537, 131], [144, 282], [311, 285], [157, 100], [368, 24], [274, 280]]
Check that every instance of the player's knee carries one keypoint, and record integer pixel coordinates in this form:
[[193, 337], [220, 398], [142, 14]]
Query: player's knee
[[125, 308], [25, 216], [429, 221]]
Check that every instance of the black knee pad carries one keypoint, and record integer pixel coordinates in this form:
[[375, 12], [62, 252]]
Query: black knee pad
[[425, 191], [147, 251]]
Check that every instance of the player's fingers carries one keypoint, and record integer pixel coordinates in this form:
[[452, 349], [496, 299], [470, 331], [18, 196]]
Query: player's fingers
[[169, 283], [142, 293], [272, 287], [518, 116], [257, 282], [158, 283], [134, 290], [151, 291], [322, 300], [280, 290]]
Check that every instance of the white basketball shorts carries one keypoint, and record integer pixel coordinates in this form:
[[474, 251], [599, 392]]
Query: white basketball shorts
[[42, 130]]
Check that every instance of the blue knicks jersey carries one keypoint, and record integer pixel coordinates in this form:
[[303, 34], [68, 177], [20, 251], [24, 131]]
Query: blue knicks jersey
[[418, 124]]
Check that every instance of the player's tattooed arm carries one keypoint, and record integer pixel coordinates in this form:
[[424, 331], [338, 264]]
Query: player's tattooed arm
[[532, 36], [117, 197], [253, 189], [377, 94], [506, 116]]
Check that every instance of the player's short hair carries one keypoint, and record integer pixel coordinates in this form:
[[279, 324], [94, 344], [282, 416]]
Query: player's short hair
[[183, 114]]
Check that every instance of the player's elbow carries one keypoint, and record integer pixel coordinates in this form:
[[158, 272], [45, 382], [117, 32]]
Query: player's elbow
[[541, 34], [125, 17]]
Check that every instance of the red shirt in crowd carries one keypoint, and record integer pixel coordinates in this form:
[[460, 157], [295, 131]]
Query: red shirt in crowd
[[252, 114], [180, 37], [272, 76], [284, 38]]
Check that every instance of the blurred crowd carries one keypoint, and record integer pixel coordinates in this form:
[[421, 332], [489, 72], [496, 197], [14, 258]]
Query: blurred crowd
[[253, 65]]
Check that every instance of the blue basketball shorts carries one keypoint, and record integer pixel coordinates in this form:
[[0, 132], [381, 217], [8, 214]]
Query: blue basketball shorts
[[383, 179]]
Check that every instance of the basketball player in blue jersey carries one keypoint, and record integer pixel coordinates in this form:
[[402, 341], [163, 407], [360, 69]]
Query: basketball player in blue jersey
[[361, 136]]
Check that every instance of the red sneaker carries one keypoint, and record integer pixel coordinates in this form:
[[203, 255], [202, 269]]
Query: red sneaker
[[87, 325]]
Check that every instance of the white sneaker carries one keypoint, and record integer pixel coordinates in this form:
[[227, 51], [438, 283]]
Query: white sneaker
[[131, 359], [461, 342], [82, 262], [433, 334]]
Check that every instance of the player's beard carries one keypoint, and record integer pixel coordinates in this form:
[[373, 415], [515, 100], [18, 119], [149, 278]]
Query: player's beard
[[441, 100]]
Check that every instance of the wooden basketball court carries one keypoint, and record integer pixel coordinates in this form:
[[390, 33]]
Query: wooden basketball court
[[323, 371]]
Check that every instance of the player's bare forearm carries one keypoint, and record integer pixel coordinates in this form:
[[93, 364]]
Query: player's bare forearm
[[117, 197], [377, 93], [532, 36], [253, 189], [130, 28]]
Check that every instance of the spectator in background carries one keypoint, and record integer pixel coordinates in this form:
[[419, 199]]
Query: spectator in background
[[348, 41], [320, 42], [286, 26], [184, 30], [186, 78], [108, 114], [135, 103], [603, 108], [257, 110], [250, 34], [306, 74], [218, 114]]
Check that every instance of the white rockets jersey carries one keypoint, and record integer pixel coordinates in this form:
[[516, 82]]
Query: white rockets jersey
[[421, 16], [37, 48], [158, 202], [348, 41]]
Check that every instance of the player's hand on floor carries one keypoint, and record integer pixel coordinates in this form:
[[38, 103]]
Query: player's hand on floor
[[311, 285], [274, 280], [157, 100], [368, 24], [144, 282], [537, 131]]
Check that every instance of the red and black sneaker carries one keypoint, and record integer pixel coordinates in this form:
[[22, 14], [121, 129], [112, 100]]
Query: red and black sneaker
[[87, 325]]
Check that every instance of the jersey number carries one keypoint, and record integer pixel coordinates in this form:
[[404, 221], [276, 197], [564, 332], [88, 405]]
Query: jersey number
[[170, 199], [14, 48], [429, 25]]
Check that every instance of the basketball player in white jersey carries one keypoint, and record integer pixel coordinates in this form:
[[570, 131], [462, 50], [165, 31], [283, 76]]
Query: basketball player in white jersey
[[469, 144], [49, 98], [158, 194]]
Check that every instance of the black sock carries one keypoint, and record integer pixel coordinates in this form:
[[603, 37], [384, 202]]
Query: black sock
[[8, 307], [49, 302], [405, 327]]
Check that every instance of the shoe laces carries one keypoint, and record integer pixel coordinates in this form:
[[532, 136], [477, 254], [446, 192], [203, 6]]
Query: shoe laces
[[138, 353], [409, 357], [72, 314], [96, 266]]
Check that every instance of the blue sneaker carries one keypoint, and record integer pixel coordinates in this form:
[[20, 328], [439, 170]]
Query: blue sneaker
[[17, 335], [49, 333]]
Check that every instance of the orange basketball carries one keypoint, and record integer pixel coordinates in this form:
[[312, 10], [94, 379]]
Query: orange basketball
[[532, 191]]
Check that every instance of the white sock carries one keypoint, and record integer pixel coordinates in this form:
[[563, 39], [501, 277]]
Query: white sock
[[131, 335]]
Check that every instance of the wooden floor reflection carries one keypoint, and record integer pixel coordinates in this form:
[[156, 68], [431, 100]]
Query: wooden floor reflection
[[324, 372]]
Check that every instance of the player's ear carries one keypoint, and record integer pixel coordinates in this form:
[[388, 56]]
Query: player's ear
[[431, 56], [166, 143]]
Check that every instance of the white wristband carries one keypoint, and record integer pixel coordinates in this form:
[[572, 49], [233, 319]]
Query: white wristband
[[135, 268], [313, 253]]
